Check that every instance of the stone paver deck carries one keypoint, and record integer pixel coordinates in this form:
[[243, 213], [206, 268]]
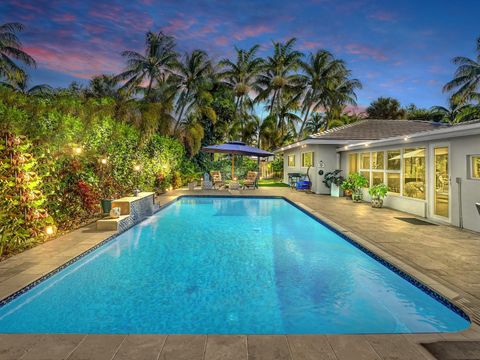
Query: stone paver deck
[[443, 257]]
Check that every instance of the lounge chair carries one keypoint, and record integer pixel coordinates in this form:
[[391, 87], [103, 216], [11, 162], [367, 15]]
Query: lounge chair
[[217, 179], [251, 180]]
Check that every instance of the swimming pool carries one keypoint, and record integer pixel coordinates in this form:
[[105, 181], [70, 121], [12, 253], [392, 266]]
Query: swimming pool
[[207, 265]]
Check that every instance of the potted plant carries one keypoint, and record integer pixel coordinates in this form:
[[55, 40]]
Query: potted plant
[[378, 192], [347, 188], [357, 182], [334, 180], [108, 194]]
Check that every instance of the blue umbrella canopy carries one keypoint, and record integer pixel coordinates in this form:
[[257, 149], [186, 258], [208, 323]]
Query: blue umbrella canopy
[[236, 148]]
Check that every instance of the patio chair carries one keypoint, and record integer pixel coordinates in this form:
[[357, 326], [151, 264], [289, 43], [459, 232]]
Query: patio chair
[[251, 180], [217, 179], [303, 183]]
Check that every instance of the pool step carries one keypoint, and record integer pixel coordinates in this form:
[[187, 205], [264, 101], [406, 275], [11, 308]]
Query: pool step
[[132, 211]]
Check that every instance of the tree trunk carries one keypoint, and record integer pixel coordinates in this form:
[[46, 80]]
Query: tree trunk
[[149, 86], [181, 114], [303, 123]]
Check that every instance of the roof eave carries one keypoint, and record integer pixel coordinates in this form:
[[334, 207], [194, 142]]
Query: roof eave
[[435, 134]]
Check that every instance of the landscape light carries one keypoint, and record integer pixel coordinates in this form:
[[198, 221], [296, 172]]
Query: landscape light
[[136, 167], [103, 161], [49, 230], [77, 150]]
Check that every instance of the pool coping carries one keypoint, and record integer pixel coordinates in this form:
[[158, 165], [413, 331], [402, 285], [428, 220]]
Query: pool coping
[[418, 279]]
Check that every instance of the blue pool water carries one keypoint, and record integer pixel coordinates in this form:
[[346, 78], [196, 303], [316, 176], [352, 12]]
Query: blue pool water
[[227, 266]]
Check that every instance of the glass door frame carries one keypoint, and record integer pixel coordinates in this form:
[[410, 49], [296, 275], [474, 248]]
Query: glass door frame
[[431, 193]]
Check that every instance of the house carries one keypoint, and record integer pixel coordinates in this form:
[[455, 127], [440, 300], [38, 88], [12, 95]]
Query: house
[[431, 169]]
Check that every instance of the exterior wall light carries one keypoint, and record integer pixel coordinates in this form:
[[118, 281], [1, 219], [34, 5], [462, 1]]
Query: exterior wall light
[[406, 138]]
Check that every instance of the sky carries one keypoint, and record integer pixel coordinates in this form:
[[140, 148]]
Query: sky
[[399, 48]]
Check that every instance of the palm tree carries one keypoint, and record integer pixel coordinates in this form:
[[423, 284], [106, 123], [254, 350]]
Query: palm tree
[[315, 123], [385, 108], [241, 77], [340, 93], [457, 112], [466, 82], [321, 70], [279, 75], [193, 78], [104, 86], [152, 67], [20, 85], [10, 50]]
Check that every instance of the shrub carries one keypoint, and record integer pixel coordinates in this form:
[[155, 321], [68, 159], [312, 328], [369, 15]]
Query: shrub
[[23, 217]]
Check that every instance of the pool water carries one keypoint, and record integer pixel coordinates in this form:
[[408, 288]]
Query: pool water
[[227, 266]]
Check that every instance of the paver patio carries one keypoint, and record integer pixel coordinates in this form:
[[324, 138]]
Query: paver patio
[[441, 256]]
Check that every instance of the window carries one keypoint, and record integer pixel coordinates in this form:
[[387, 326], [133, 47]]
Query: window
[[393, 160], [475, 163], [352, 163], [366, 175], [414, 173], [365, 161], [291, 160], [377, 177], [393, 182], [378, 160], [307, 159]]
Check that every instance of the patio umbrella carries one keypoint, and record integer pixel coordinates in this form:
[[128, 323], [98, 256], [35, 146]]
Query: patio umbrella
[[236, 148]]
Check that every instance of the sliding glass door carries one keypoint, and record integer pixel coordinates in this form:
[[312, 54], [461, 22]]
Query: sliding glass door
[[441, 182]]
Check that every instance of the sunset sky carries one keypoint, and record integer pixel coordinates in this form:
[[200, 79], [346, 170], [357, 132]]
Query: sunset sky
[[396, 48]]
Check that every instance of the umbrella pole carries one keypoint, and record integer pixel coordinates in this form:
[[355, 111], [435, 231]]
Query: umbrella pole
[[233, 166]]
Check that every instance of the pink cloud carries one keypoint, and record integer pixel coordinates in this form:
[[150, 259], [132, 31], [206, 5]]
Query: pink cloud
[[81, 63], [179, 23], [310, 44], [64, 17], [222, 41], [140, 21], [252, 31], [382, 15], [365, 51]]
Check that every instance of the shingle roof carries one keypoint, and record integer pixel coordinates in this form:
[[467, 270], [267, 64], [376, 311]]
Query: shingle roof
[[377, 129]]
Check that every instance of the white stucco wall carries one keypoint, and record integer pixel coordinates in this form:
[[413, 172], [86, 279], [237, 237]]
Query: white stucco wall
[[460, 148], [325, 153]]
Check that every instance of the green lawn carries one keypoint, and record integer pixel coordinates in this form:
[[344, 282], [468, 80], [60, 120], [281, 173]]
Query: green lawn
[[271, 183]]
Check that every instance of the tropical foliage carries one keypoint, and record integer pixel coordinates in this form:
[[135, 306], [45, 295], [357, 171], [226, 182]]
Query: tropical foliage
[[64, 149]]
